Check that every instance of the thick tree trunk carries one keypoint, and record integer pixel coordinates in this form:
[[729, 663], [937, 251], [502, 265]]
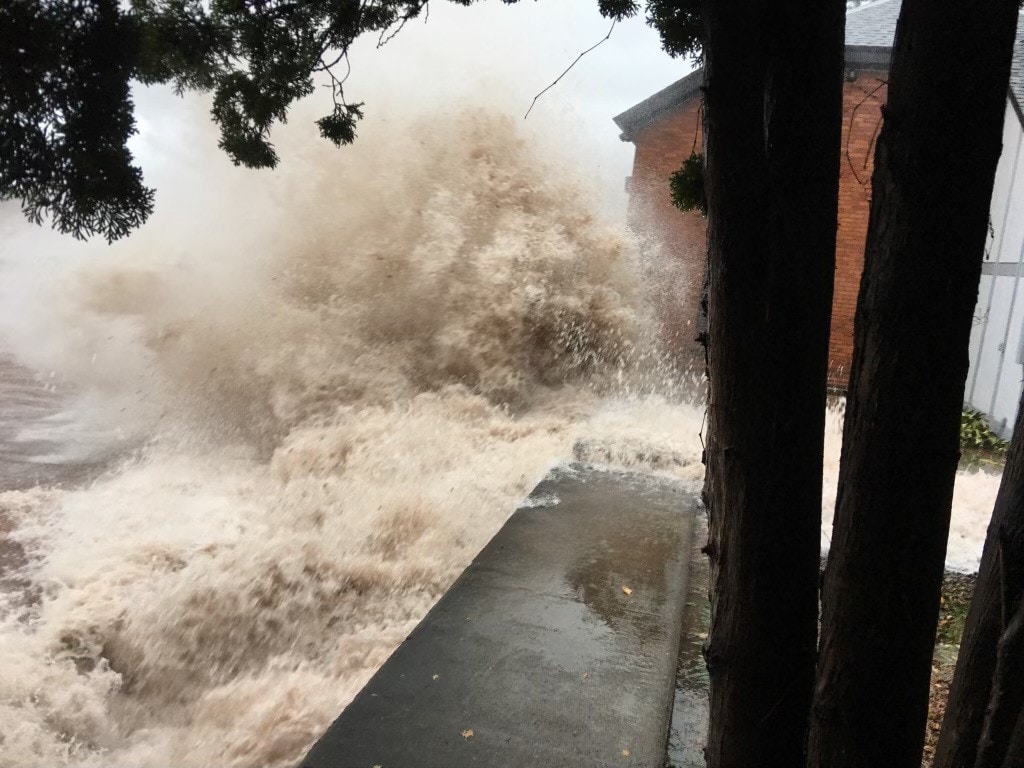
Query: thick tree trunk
[[773, 106], [972, 690], [934, 168], [1015, 750], [1007, 685]]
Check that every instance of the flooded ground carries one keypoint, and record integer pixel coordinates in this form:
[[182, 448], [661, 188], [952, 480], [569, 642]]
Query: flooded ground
[[689, 727], [30, 425], [262, 438], [30, 456], [268, 456]]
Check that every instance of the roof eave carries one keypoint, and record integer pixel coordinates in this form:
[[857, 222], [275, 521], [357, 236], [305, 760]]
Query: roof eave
[[639, 116], [1017, 107], [874, 58]]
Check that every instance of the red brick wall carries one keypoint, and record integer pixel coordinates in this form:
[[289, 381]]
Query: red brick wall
[[862, 115], [661, 148]]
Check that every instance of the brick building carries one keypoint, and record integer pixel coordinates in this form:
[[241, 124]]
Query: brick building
[[666, 127]]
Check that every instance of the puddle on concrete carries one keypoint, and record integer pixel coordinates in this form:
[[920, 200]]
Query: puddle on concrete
[[689, 726]]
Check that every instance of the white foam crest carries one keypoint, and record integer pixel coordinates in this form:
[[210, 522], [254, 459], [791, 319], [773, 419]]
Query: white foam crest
[[974, 495], [318, 426], [326, 389]]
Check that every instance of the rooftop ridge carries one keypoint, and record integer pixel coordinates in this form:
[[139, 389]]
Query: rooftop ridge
[[869, 41]]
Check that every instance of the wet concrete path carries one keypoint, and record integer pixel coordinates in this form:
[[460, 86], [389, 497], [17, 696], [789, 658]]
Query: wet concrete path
[[558, 646], [25, 402], [689, 729], [30, 416]]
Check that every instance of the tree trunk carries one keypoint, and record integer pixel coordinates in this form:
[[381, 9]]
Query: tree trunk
[[934, 168], [1015, 751], [1007, 687], [972, 688], [773, 106]]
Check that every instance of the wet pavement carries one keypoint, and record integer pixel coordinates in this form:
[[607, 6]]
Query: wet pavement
[[689, 727], [33, 428], [30, 408], [25, 401], [557, 646]]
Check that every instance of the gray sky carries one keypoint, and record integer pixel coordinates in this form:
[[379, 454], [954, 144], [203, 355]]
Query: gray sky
[[490, 54], [513, 52], [493, 54]]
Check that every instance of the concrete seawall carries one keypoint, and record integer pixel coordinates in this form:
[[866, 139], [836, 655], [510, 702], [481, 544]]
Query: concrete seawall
[[557, 646]]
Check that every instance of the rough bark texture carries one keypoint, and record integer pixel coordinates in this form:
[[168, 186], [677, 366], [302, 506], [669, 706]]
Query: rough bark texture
[[1007, 689], [772, 121], [934, 168], [1015, 751], [972, 689]]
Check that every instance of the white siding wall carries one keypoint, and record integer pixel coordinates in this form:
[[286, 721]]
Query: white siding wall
[[997, 339]]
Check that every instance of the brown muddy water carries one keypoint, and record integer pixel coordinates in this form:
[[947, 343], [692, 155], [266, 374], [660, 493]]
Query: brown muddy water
[[269, 454], [262, 439], [30, 454], [30, 422]]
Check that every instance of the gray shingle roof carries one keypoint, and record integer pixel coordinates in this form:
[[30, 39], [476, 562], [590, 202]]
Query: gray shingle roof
[[1017, 72], [872, 23], [641, 114], [870, 29]]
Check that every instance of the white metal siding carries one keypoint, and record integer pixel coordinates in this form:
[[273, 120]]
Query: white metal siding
[[995, 379]]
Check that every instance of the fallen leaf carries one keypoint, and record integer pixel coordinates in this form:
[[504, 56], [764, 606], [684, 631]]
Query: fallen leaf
[[468, 733], [625, 753], [627, 590]]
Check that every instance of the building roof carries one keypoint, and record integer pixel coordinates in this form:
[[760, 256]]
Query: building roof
[[872, 23], [1017, 73], [870, 29]]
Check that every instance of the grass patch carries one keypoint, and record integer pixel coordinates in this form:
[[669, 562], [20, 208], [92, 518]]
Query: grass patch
[[957, 590], [982, 460]]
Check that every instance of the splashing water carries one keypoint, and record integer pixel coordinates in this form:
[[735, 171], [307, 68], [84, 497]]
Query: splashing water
[[309, 428], [310, 439]]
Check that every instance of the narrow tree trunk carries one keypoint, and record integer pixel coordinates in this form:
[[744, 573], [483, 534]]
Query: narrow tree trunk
[[1007, 689], [1015, 751], [971, 691], [772, 117], [934, 168]]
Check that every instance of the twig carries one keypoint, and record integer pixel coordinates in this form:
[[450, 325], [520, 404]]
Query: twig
[[595, 45], [324, 66], [871, 144], [849, 132], [337, 86], [388, 34], [698, 127]]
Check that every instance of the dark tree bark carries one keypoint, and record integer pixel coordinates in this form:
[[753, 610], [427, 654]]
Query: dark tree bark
[[1015, 751], [1007, 685], [773, 106], [999, 577], [934, 168]]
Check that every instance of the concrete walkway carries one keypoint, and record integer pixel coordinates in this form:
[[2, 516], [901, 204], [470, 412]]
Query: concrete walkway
[[556, 647]]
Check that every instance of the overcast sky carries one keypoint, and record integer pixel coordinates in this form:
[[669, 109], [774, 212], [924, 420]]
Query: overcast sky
[[489, 53], [516, 51]]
